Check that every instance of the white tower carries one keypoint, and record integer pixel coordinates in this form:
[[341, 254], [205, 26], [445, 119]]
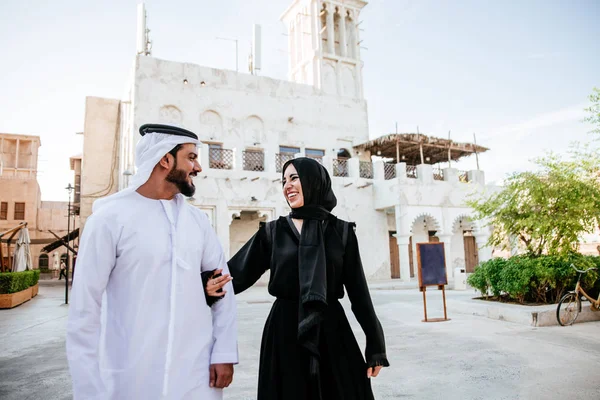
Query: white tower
[[324, 45]]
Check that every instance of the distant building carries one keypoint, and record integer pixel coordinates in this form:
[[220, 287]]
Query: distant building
[[20, 202]]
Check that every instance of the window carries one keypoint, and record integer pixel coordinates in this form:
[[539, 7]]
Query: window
[[43, 261], [19, 211], [285, 154], [315, 153], [254, 160], [77, 196], [218, 157], [4, 210], [286, 149]]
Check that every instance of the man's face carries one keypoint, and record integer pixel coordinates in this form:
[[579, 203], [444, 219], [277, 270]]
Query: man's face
[[185, 168]]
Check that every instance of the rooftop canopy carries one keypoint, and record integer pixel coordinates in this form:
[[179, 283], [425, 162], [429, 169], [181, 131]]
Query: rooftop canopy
[[408, 147]]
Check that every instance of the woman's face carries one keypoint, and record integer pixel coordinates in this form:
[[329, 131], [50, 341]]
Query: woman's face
[[292, 188]]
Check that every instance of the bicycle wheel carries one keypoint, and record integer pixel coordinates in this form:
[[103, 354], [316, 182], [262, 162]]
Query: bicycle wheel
[[568, 309]]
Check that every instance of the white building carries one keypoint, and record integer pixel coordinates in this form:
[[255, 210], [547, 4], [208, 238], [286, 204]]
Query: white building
[[251, 125]]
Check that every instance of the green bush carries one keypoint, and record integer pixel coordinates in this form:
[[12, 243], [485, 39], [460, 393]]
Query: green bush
[[12, 282], [531, 279]]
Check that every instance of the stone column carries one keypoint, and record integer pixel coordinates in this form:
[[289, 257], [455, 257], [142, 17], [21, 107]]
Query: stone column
[[403, 242], [424, 173], [314, 26], [354, 168], [352, 50], [291, 48], [483, 250], [330, 29], [224, 234], [328, 164], [447, 239], [378, 170], [298, 48], [343, 49], [401, 172], [204, 157], [238, 158], [17, 158], [476, 176], [269, 158], [450, 175]]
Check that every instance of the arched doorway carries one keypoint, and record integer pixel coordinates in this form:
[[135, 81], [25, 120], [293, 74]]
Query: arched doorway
[[464, 251], [43, 261], [424, 230]]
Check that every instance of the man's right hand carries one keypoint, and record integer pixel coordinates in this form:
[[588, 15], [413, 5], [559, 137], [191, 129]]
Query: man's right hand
[[221, 375]]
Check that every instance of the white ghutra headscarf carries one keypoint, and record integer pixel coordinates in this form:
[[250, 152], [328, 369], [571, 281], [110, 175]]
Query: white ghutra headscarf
[[150, 149]]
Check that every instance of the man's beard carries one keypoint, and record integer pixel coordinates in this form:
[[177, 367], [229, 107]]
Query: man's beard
[[179, 179]]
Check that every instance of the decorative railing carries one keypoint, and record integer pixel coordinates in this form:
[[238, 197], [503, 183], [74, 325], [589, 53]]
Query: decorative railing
[[463, 176], [281, 159], [319, 159], [220, 158], [411, 171], [340, 167], [389, 171], [254, 160], [366, 169], [438, 174]]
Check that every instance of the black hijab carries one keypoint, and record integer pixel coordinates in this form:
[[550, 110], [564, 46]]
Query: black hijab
[[319, 200]]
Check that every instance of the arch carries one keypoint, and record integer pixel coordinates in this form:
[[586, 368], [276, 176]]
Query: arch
[[344, 153], [427, 221], [350, 33], [348, 83], [463, 222], [267, 214], [43, 261], [337, 20], [212, 125], [170, 114], [253, 129], [329, 79]]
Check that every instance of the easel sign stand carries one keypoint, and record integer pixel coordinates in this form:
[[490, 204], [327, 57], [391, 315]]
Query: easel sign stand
[[432, 272]]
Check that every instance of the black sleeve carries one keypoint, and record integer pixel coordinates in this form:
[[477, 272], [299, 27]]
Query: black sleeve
[[251, 261], [206, 275], [362, 306]]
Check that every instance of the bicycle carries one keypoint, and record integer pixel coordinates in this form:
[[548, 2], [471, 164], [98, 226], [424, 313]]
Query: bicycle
[[569, 306]]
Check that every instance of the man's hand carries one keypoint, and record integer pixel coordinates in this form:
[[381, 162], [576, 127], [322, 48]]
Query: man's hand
[[221, 375]]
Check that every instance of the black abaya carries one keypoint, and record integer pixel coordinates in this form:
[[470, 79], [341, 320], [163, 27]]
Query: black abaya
[[283, 372]]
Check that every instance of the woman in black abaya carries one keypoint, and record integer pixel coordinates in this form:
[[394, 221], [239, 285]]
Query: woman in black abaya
[[308, 350]]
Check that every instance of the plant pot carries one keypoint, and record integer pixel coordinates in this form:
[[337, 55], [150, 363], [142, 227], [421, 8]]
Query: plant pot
[[14, 299]]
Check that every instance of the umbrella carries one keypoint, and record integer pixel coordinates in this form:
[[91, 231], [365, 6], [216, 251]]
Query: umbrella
[[22, 257]]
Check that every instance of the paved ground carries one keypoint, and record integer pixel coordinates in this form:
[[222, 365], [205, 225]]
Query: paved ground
[[468, 357]]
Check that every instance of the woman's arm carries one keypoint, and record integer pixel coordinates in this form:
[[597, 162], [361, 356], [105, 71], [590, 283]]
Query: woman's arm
[[246, 266], [362, 306]]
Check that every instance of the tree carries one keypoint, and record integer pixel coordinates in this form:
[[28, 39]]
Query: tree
[[547, 210], [594, 110]]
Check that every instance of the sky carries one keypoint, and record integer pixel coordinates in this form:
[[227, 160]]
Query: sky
[[516, 73]]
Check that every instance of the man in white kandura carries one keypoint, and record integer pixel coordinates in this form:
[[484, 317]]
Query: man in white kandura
[[145, 247]]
